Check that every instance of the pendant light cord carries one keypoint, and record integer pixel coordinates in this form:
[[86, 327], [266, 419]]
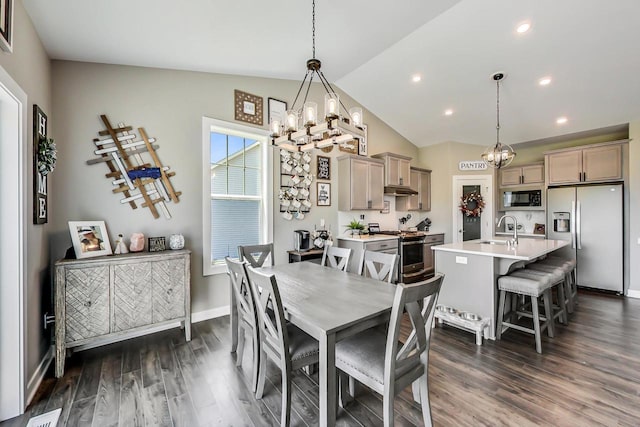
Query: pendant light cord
[[497, 112], [313, 27]]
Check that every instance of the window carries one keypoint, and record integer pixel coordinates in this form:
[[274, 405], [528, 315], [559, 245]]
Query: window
[[237, 191]]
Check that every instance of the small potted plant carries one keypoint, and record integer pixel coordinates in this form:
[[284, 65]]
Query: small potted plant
[[355, 226]]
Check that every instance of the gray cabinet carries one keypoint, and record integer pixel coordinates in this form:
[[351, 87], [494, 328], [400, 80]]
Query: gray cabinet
[[107, 299], [590, 164], [429, 257], [420, 182], [522, 175], [361, 183], [358, 246], [397, 169]]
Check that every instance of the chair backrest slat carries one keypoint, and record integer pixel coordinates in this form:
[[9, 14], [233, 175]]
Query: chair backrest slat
[[256, 255], [241, 290], [335, 257], [379, 265]]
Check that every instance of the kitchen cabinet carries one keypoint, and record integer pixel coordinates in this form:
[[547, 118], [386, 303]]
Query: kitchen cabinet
[[112, 298], [377, 243], [428, 254], [587, 164], [420, 182], [360, 183], [522, 175], [397, 169]]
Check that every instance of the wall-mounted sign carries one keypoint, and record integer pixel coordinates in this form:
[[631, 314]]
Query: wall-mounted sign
[[472, 165], [40, 205]]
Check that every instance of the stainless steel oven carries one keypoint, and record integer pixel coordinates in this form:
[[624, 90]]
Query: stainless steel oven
[[411, 250]]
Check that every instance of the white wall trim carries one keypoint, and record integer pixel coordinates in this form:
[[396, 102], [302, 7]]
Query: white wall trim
[[39, 374], [633, 293], [488, 223], [210, 314]]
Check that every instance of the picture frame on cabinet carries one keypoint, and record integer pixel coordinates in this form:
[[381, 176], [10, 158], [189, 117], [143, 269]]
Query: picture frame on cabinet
[[157, 244], [89, 238], [363, 148], [324, 194], [6, 25]]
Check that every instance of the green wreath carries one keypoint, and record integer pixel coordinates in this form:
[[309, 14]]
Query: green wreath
[[471, 204], [47, 153]]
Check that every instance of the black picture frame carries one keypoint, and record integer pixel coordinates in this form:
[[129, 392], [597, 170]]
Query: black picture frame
[[156, 244], [40, 182], [276, 107], [323, 194], [324, 168], [6, 25]]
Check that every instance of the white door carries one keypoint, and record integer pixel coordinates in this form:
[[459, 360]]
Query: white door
[[470, 228], [13, 102]]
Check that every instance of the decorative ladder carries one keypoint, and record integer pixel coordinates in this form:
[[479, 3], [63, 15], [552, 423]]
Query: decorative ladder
[[132, 176]]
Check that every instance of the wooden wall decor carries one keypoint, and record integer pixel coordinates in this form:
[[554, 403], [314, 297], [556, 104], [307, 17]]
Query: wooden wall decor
[[133, 177], [40, 205], [248, 107]]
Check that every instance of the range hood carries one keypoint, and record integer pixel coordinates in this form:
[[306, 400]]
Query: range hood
[[399, 190]]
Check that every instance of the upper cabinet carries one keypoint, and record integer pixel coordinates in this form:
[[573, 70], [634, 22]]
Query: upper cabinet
[[397, 169], [522, 175], [594, 163], [360, 183], [420, 182]]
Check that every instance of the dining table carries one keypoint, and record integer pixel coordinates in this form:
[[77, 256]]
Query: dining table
[[330, 305]]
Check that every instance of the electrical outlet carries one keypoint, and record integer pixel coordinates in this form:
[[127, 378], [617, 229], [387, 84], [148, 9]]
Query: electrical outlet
[[461, 260], [362, 217]]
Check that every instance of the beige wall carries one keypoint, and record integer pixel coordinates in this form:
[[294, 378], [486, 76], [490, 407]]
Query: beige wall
[[29, 66], [170, 106]]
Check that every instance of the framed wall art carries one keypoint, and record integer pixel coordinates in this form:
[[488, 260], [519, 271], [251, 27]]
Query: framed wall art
[[324, 194], [90, 238], [40, 201], [248, 107], [157, 244], [276, 108], [324, 168], [6, 25]]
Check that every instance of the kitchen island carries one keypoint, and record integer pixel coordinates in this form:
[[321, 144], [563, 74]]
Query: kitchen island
[[472, 268]]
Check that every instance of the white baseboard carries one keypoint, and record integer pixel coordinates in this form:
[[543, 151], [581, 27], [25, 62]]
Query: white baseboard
[[210, 314], [38, 375], [633, 293]]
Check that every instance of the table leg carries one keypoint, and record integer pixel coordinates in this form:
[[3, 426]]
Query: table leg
[[327, 380], [233, 319]]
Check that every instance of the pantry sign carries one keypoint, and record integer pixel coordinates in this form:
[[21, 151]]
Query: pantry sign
[[472, 165]]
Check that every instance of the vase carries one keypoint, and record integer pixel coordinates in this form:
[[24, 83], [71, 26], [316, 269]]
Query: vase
[[176, 241]]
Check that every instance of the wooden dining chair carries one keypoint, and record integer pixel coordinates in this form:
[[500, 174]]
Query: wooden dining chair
[[335, 257], [246, 314], [386, 366], [288, 346], [379, 265], [256, 255]]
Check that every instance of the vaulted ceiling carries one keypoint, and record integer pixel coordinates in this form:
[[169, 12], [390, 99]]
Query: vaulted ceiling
[[372, 49]]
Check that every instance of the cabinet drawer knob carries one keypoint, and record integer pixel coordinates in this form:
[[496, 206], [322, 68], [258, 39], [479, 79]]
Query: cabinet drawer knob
[[87, 304]]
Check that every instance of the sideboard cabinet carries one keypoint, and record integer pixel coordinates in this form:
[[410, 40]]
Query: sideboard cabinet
[[112, 298]]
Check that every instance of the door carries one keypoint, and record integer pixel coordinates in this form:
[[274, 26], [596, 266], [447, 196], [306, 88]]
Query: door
[[599, 237], [602, 163], [533, 174], [561, 218], [510, 177], [564, 168], [375, 188], [468, 228], [359, 184]]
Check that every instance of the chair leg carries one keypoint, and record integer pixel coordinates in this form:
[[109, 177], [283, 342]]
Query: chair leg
[[344, 397], [568, 293], [387, 409], [415, 390], [562, 301], [285, 419], [548, 312], [424, 399], [536, 323], [256, 360], [240, 350], [262, 374], [500, 314]]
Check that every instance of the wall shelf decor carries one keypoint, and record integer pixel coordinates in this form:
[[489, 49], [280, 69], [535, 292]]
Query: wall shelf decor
[[133, 177], [295, 184]]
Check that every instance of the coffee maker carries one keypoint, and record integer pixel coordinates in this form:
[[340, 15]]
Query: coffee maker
[[301, 240]]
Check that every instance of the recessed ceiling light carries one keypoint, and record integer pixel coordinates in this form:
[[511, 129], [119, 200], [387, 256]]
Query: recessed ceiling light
[[523, 27], [448, 112], [561, 120], [544, 81], [416, 78]]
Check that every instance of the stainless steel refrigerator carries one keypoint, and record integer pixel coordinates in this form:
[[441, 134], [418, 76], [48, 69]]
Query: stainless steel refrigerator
[[591, 218]]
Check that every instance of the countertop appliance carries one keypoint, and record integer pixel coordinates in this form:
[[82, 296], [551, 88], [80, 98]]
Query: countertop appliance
[[302, 240], [591, 217]]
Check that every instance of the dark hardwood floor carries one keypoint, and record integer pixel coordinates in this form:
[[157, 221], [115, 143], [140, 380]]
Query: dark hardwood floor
[[589, 374]]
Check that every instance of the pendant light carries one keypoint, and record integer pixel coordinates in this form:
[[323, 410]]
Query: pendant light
[[499, 155]]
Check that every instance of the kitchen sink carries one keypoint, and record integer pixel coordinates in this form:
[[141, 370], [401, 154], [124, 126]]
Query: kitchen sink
[[493, 242]]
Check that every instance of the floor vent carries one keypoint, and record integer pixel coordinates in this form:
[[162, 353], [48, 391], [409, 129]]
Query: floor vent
[[50, 419]]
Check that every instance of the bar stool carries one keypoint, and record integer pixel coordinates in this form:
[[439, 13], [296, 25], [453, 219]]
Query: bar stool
[[569, 265], [559, 282], [525, 284]]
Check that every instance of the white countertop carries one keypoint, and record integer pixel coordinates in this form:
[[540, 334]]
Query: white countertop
[[527, 249], [510, 233], [367, 237]]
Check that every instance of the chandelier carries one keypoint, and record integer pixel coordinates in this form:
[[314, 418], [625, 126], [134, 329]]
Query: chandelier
[[300, 129], [500, 154]]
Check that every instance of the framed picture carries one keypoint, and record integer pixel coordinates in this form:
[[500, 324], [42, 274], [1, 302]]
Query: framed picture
[[157, 244], [248, 107], [40, 200], [538, 229], [324, 194], [276, 108], [362, 144], [90, 238], [6, 25], [324, 168]]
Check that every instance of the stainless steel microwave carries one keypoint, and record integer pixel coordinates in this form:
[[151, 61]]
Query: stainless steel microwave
[[529, 199]]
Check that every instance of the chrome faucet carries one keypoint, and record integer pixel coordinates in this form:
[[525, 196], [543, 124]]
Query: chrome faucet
[[514, 241]]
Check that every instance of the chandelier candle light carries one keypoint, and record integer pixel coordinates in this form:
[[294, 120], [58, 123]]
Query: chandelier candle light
[[300, 129], [501, 154]]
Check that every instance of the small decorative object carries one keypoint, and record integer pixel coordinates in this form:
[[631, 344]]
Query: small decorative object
[[6, 25], [248, 107], [47, 155], [471, 204], [324, 194], [355, 226], [362, 143], [121, 247], [137, 242], [538, 229], [176, 241], [44, 158], [324, 167], [90, 238], [387, 207], [157, 244]]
